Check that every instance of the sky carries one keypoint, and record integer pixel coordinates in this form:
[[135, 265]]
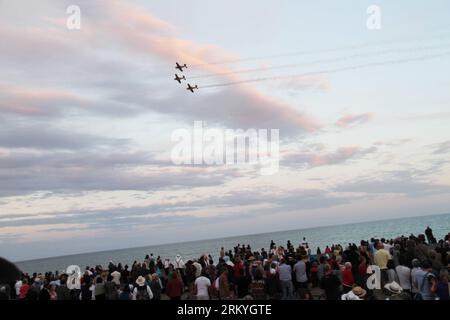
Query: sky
[[86, 118]]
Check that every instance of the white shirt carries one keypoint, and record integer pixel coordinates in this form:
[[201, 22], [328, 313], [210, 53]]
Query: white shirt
[[17, 287], [404, 277], [149, 291], [202, 284]]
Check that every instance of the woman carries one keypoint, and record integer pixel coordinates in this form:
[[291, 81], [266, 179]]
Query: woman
[[347, 277], [52, 292], [258, 287], [362, 271], [156, 287], [174, 288], [442, 286], [99, 290]]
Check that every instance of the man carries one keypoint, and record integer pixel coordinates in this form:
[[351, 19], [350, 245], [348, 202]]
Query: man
[[404, 276], [301, 277], [202, 287], [381, 258], [426, 282], [285, 273], [414, 271], [330, 283]]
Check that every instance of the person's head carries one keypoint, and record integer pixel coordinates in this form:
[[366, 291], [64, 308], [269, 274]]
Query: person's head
[[327, 268], [348, 265], [415, 263], [380, 245], [426, 265], [322, 259]]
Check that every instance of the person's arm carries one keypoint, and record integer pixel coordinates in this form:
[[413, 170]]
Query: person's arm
[[150, 293], [134, 294], [433, 284], [195, 288]]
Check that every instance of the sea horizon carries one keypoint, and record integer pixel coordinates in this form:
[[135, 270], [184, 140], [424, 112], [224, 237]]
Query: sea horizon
[[213, 243]]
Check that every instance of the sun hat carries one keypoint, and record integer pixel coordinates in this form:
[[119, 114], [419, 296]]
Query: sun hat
[[393, 287], [359, 292], [140, 281]]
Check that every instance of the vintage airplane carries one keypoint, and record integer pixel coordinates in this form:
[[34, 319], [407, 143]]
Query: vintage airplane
[[180, 67], [178, 78], [191, 88]]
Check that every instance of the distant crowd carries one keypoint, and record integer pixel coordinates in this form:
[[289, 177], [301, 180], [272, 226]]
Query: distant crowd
[[413, 267]]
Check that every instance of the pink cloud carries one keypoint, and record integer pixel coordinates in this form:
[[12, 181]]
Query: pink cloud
[[354, 119]]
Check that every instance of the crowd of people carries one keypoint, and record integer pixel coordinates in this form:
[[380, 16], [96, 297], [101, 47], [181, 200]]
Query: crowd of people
[[414, 267]]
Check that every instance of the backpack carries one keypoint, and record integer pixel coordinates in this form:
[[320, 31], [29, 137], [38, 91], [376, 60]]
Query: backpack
[[418, 295], [142, 293]]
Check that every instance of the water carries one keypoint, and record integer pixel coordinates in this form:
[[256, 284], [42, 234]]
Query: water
[[320, 236]]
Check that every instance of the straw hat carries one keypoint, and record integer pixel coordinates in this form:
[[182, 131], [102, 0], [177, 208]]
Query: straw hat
[[140, 281], [393, 287], [359, 292]]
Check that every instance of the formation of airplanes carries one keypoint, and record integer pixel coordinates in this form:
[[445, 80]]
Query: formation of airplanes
[[178, 78]]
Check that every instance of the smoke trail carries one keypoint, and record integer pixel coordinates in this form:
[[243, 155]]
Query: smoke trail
[[355, 67], [444, 34], [338, 59]]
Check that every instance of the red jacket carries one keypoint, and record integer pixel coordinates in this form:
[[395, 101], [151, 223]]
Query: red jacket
[[347, 277]]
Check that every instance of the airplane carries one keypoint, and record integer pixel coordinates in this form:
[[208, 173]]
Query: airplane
[[178, 78], [180, 67], [191, 88]]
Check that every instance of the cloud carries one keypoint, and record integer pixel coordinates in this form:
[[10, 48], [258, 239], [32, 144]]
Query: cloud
[[28, 172], [395, 182], [48, 138], [315, 158], [350, 120], [442, 148], [143, 42]]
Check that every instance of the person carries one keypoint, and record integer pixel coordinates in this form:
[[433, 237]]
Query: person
[[5, 291], [257, 287], [426, 282], [52, 292], [404, 276], [416, 268], [429, 233], [23, 291], [116, 277], [301, 277], [381, 258], [174, 288], [156, 287], [142, 291], [99, 291], [347, 277], [362, 272], [17, 286], [393, 291], [330, 283], [443, 289], [202, 286], [285, 274], [357, 293], [224, 287], [63, 291], [125, 293], [391, 273], [321, 267]]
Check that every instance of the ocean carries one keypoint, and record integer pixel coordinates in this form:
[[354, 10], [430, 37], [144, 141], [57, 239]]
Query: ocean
[[316, 237]]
